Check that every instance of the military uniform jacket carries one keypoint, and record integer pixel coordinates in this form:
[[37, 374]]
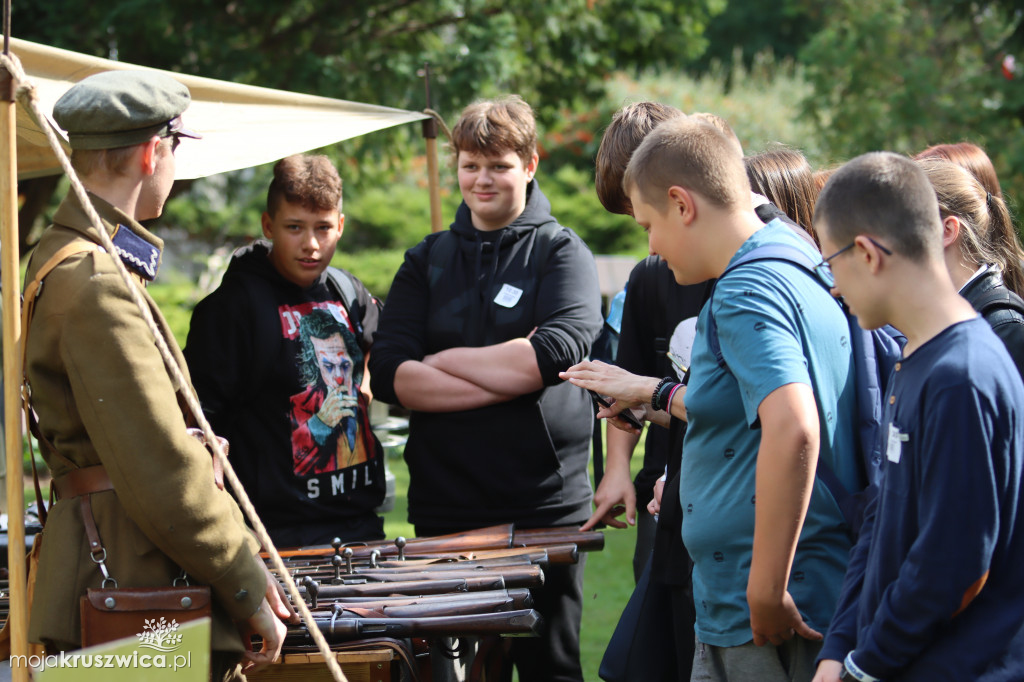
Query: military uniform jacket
[[104, 396]]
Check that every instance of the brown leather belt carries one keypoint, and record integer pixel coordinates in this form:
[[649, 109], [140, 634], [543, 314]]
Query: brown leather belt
[[78, 482]]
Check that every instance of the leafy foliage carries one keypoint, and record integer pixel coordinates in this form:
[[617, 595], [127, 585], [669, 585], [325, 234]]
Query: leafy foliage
[[372, 51], [905, 74], [747, 29]]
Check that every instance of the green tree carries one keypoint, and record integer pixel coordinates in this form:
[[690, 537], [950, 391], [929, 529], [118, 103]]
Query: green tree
[[905, 74], [551, 53], [749, 28], [556, 55]]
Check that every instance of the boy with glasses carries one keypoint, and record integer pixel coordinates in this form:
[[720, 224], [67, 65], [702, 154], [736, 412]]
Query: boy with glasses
[[933, 591]]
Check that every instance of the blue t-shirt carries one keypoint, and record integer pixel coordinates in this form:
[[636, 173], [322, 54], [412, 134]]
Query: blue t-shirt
[[776, 326], [947, 520]]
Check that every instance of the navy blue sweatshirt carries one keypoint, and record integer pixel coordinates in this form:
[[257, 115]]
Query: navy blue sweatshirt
[[524, 460], [946, 521]]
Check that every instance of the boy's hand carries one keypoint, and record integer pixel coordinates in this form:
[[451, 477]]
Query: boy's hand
[[615, 496], [777, 622], [828, 671], [654, 506]]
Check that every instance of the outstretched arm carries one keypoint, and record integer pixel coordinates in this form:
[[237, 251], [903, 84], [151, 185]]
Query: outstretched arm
[[615, 494]]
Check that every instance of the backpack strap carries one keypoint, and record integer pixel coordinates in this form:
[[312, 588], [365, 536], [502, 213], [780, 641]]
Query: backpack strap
[[778, 252], [341, 282], [874, 352]]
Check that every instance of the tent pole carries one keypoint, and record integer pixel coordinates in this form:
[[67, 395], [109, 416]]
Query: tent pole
[[9, 272], [433, 174]]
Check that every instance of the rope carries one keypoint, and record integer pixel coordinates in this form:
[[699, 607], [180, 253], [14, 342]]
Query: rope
[[27, 95], [440, 121]]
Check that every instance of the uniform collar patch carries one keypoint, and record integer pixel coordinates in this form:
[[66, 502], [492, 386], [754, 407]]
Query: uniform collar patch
[[137, 254]]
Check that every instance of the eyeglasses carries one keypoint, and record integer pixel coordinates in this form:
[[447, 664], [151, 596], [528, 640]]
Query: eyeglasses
[[824, 270], [175, 141]]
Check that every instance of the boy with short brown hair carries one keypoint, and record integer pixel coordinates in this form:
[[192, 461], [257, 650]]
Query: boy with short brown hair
[[278, 357]]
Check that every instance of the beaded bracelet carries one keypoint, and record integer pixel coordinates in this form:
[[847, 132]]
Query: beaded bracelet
[[656, 396]]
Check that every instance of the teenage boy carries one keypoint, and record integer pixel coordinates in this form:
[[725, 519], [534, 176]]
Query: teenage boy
[[767, 540], [128, 474], [934, 589], [278, 356], [658, 315]]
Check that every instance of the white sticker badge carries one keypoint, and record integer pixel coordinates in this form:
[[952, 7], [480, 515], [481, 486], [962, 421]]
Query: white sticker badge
[[508, 296], [894, 446]]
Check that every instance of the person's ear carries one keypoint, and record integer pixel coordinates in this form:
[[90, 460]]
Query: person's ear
[[867, 252], [950, 230], [531, 167], [149, 155], [682, 202], [266, 221], [341, 224]]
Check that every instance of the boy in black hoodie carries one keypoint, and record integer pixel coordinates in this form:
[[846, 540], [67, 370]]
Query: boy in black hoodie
[[278, 357], [478, 323]]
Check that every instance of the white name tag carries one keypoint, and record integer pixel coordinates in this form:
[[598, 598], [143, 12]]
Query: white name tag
[[894, 446], [508, 296]]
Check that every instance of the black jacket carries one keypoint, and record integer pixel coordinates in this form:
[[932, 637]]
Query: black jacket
[[243, 352], [1005, 318], [524, 460]]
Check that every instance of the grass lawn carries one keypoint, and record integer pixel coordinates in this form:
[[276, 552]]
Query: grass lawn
[[607, 584]]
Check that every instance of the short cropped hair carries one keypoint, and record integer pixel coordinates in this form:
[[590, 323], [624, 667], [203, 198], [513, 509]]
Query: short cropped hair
[[691, 154], [784, 176], [113, 161], [629, 126], [883, 195], [308, 180], [723, 127], [496, 126], [968, 156]]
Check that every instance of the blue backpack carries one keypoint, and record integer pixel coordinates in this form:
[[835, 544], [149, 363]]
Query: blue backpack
[[875, 353]]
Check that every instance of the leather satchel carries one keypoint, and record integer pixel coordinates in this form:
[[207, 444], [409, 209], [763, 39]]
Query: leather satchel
[[152, 614]]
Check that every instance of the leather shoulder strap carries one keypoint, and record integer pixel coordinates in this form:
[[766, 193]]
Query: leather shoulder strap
[[32, 289]]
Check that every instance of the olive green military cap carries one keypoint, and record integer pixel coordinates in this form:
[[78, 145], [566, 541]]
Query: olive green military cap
[[122, 108]]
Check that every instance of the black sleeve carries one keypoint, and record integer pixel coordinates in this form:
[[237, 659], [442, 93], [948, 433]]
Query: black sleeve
[[568, 312], [639, 328], [402, 327]]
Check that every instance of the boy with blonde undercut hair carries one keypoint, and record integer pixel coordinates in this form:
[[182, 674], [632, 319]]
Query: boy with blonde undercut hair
[[767, 539]]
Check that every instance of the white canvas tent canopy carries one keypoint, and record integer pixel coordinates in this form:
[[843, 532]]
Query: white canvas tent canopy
[[242, 125]]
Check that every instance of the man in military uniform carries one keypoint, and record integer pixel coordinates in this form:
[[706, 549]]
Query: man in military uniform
[[106, 403]]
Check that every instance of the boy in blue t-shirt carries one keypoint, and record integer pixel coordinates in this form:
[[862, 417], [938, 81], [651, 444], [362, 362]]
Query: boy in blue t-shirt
[[934, 589], [767, 539]]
